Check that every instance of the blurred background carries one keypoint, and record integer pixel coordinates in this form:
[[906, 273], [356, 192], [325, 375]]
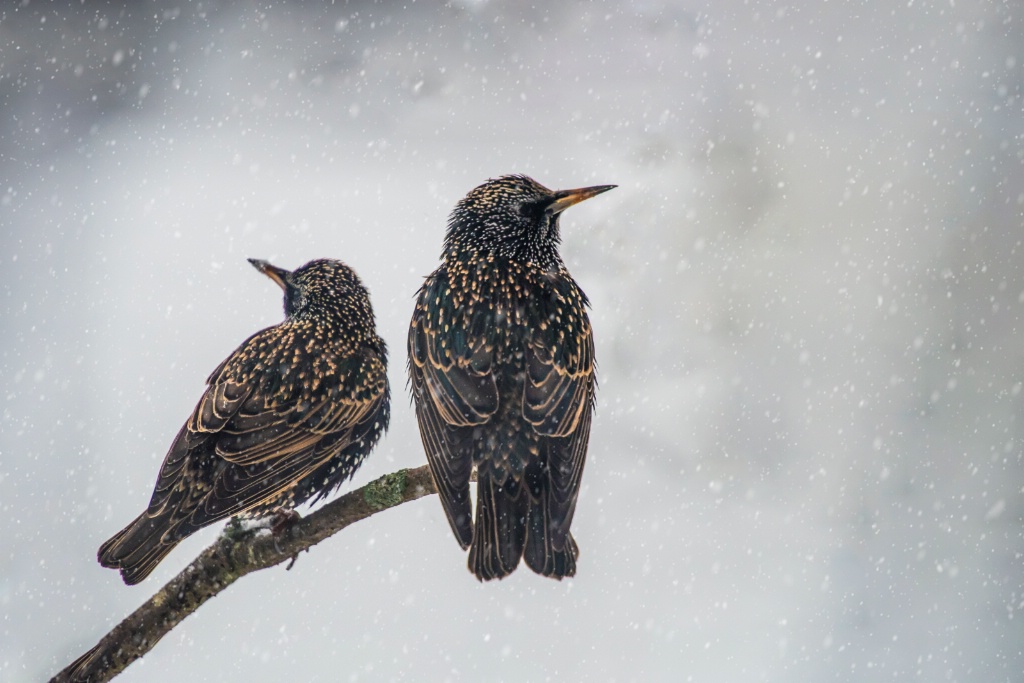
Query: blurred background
[[806, 463]]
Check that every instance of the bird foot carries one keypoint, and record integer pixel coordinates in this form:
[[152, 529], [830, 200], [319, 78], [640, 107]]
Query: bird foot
[[282, 519]]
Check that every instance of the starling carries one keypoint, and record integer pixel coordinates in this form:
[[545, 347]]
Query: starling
[[501, 364], [288, 417]]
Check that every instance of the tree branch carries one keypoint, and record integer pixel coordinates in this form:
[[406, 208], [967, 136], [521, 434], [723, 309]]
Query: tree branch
[[233, 555]]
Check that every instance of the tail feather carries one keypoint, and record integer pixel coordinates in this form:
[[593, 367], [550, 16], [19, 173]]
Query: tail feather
[[500, 530], [137, 549], [548, 551], [82, 669]]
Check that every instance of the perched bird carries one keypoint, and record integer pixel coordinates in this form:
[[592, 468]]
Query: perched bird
[[288, 417], [501, 365]]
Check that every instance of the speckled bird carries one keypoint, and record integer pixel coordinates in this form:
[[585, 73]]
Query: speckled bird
[[287, 418], [501, 365]]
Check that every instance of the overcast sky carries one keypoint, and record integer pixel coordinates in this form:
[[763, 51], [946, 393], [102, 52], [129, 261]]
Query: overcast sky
[[806, 462]]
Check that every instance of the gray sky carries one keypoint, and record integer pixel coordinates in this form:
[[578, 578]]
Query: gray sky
[[807, 294]]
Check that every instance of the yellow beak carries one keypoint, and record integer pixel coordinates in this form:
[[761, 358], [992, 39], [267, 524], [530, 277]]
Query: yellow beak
[[566, 198], [278, 275]]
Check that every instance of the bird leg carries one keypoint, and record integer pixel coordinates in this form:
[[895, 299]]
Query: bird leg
[[282, 519]]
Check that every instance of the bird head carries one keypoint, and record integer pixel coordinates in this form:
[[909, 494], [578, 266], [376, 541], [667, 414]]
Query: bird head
[[325, 289], [513, 216]]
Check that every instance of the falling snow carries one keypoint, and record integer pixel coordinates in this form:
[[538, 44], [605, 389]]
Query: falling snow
[[806, 462]]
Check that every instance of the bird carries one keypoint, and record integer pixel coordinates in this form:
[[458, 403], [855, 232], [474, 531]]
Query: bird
[[501, 370], [286, 418]]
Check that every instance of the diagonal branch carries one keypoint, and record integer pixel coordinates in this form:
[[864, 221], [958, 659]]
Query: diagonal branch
[[233, 555]]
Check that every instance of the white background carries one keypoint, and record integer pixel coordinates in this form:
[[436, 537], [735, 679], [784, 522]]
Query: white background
[[806, 463]]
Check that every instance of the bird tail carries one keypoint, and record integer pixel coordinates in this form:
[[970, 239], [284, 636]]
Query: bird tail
[[499, 533], [511, 524], [548, 552], [86, 668], [137, 549]]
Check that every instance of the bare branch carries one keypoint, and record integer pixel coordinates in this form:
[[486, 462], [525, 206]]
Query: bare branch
[[233, 555]]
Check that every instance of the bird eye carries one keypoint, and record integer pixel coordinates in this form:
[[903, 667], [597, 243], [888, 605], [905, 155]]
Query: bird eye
[[529, 209]]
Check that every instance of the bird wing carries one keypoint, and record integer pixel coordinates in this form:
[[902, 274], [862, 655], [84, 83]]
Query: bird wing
[[455, 371], [267, 438], [558, 389], [558, 400], [453, 385]]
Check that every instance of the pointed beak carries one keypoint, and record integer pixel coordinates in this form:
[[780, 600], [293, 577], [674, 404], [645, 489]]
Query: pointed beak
[[278, 275], [566, 198]]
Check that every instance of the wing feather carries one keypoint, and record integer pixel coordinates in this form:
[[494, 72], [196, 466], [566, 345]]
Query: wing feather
[[462, 386], [559, 388], [265, 444], [454, 393], [558, 400]]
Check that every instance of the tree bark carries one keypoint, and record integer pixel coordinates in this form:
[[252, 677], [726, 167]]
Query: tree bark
[[234, 554]]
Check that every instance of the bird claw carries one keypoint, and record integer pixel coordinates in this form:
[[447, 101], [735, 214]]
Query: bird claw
[[291, 564]]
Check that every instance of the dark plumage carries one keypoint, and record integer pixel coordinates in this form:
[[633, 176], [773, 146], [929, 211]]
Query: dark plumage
[[288, 417], [501, 363]]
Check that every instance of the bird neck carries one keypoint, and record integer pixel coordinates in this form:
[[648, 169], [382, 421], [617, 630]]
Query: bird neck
[[543, 256], [525, 242], [353, 324]]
